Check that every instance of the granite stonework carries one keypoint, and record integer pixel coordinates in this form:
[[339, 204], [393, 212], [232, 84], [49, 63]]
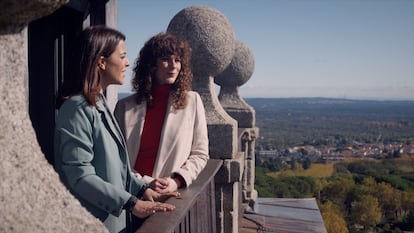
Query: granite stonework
[[16, 14], [215, 50], [32, 198], [237, 73], [211, 38]]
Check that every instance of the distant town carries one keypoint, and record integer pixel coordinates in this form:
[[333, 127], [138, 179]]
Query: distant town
[[327, 153], [323, 129]]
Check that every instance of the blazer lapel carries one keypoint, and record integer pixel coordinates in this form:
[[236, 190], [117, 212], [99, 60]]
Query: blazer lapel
[[133, 120], [134, 114], [111, 124], [109, 121]]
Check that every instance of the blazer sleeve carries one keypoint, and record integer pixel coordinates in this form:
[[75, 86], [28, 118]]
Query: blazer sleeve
[[75, 150], [199, 154]]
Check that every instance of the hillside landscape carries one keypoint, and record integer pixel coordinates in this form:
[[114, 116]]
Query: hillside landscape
[[356, 157], [287, 122]]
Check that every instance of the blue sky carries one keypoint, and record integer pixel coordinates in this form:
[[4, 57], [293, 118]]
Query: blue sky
[[359, 49]]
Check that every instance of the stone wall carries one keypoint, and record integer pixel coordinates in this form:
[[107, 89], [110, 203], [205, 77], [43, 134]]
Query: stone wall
[[32, 198]]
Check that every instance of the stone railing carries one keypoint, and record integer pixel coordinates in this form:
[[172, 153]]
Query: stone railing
[[195, 207]]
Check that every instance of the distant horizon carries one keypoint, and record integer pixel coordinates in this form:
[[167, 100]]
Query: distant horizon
[[127, 93]]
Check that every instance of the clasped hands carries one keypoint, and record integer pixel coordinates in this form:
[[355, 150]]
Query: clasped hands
[[165, 185], [160, 190]]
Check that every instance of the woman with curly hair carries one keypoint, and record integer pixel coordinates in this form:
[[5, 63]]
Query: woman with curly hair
[[164, 120]]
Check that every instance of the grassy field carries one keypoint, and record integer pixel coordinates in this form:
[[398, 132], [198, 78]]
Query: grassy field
[[316, 170], [404, 163]]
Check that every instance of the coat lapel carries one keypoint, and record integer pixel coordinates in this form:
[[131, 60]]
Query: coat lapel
[[133, 117], [109, 121]]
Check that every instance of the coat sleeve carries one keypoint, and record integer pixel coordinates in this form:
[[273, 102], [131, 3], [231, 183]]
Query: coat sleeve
[[75, 153], [199, 154]]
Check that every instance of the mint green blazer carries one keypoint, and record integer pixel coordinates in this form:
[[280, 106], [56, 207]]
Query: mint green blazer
[[92, 160]]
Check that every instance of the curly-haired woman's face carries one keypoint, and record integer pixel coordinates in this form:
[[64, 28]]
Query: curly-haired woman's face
[[167, 69]]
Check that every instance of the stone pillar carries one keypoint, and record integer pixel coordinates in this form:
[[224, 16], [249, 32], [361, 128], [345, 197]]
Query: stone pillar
[[211, 38], [32, 198], [236, 74]]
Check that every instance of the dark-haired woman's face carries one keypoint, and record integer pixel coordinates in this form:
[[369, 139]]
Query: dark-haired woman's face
[[167, 69], [112, 68]]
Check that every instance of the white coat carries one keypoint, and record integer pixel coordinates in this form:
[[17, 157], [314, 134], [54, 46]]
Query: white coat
[[183, 147]]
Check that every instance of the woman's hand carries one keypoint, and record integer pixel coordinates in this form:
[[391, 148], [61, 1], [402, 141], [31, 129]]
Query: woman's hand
[[159, 184], [143, 209], [152, 195], [164, 185]]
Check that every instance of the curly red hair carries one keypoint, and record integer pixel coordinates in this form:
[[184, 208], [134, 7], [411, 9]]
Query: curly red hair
[[161, 45]]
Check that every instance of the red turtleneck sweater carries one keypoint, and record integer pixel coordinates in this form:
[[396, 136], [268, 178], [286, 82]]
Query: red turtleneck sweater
[[151, 134]]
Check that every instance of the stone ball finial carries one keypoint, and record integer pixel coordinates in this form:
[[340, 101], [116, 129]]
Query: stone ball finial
[[210, 36], [241, 68]]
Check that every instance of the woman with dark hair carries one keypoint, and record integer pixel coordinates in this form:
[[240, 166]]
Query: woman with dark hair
[[164, 121], [90, 153]]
